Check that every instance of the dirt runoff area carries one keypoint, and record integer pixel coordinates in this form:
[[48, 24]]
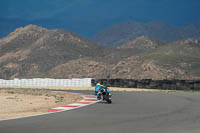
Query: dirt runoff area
[[25, 102]]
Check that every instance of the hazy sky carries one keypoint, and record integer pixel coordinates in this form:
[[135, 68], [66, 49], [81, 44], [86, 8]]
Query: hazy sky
[[102, 13]]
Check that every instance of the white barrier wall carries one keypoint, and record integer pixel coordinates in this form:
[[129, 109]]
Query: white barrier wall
[[85, 82]]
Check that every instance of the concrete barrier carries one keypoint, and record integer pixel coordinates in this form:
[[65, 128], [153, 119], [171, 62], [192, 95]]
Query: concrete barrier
[[85, 82]]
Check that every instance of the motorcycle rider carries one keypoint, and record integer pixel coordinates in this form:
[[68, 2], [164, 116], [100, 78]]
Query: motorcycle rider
[[98, 89]]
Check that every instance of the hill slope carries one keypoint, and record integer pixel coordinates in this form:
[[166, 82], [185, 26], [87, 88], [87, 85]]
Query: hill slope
[[142, 43], [124, 32], [184, 54], [34, 50], [178, 60]]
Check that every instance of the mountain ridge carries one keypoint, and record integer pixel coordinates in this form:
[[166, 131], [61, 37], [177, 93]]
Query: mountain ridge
[[36, 49], [148, 43], [33, 51], [124, 32]]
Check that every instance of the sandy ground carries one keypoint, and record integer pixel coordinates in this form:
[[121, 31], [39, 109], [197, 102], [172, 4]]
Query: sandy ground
[[24, 102]]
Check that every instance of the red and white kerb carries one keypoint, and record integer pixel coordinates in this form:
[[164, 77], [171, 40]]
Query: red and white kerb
[[87, 100]]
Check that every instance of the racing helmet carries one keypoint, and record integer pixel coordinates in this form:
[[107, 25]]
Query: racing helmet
[[98, 84]]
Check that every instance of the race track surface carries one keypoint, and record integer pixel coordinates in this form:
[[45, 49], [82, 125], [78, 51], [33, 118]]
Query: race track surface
[[131, 112]]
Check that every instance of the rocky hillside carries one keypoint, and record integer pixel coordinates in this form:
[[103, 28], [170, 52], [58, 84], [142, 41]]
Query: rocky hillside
[[184, 54], [178, 60], [33, 51], [79, 68], [142, 43], [125, 32], [137, 68]]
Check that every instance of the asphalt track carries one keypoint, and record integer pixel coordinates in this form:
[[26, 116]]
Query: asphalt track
[[131, 112]]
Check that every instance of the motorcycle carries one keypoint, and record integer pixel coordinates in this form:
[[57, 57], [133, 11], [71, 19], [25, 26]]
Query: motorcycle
[[106, 95]]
